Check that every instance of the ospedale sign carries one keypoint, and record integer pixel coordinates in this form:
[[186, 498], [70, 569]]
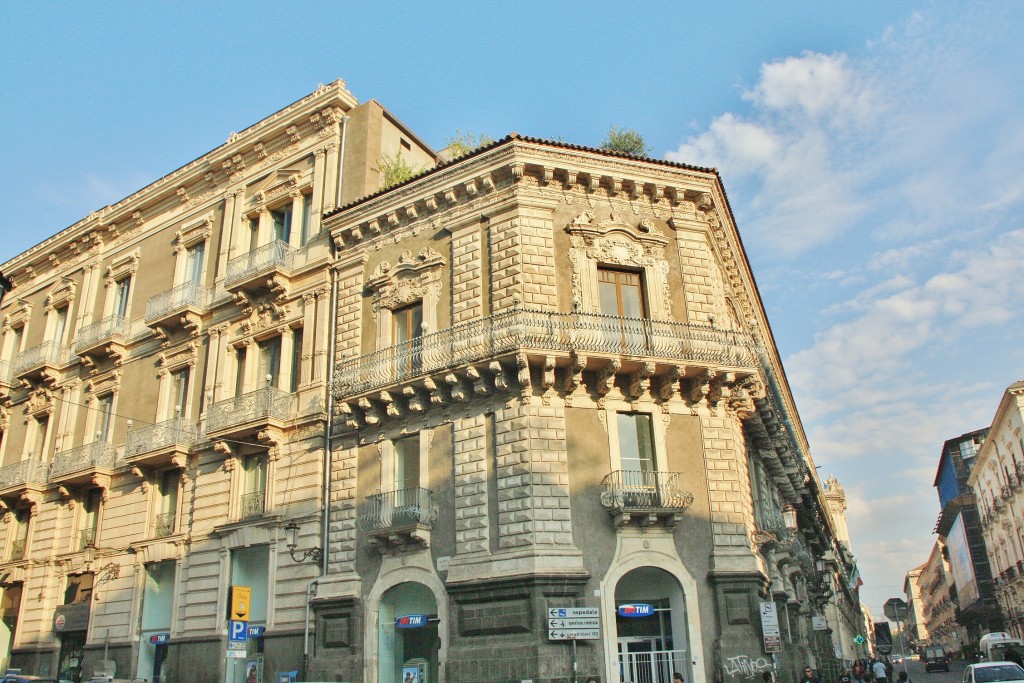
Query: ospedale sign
[[68, 618]]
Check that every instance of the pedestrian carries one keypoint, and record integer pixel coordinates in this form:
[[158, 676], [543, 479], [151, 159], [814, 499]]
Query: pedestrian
[[809, 676], [677, 677], [766, 677], [878, 671], [903, 677], [860, 674]]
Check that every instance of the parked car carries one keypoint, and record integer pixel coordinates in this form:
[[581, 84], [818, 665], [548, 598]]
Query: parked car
[[25, 678], [935, 658], [897, 659], [993, 672]]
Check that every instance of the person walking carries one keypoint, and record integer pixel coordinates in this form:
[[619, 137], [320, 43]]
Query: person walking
[[809, 676], [879, 672]]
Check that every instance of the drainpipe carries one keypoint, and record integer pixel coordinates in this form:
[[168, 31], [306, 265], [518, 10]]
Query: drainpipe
[[325, 492]]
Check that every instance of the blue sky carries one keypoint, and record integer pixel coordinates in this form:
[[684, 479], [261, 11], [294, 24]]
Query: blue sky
[[872, 153]]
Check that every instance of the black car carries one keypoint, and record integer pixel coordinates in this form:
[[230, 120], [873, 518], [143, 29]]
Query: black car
[[935, 658]]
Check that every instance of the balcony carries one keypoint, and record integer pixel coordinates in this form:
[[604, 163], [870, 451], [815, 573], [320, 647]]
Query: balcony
[[398, 519], [165, 443], [23, 478], [253, 505], [163, 525], [104, 339], [634, 342], [80, 465], [265, 269], [645, 497], [249, 413], [17, 550], [178, 308], [41, 362]]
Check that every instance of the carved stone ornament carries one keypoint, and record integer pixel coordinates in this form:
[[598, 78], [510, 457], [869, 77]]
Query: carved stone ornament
[[617, 243], [178, 358], [18, 314], [5, 418], [106, 384], [62, 294], [122, 267], [40, 402], [410, 280], [193, 233]]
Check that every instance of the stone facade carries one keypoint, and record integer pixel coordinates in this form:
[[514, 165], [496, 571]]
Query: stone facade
[[163, 404], [521, 447], [938, 598]]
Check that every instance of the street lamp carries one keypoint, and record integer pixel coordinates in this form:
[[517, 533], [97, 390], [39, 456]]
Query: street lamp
[[789, 517], [314, 553]]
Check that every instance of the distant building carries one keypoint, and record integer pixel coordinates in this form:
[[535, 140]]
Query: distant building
[[916, 628], [997, 480], [959, 527], [939, 601]]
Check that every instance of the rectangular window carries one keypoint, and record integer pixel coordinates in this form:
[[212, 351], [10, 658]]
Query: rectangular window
[[249, 567], [636, 442], [20, 540], [122, 297], [621, 293], [254, 234], [296, 360], [167, 505], [254, 486], [239, 370], [194, 256], [104, 411], [407, 328], [60, 325], [179, 393], [39, 446], [307, 218], [90, 518], [282, 220], [270, 362], [407, 462], [19, 338], [79, 589]]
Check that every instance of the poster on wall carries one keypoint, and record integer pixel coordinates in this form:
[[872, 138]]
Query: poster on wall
[[410, 674], [287, 677]]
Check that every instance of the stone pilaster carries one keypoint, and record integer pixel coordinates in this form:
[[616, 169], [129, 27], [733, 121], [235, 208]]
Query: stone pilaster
[[467, 274], [538, 259]]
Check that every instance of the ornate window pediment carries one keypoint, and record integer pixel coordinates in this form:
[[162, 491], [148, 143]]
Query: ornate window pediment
[[122, 267], [280, 183], [18, 315], [105, 384], [617, 243], [40, 402], [176, 359], [193, 233], [61, 295], [413, 278]]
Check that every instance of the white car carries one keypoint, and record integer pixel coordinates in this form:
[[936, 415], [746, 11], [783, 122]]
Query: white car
[[993, 672]]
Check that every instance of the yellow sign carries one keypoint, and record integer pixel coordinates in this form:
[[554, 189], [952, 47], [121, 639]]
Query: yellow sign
[[240, 598]]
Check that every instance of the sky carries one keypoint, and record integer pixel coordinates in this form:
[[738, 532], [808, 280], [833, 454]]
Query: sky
[[872, 153]]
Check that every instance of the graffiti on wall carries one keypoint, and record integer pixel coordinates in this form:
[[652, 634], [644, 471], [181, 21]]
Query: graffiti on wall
[[746, 667]]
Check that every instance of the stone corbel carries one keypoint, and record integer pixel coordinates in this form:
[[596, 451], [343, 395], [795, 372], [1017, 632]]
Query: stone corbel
[[348, 417], [102, 482], [498, 373], [137, 471], [370, 413], [67, 496], [273, 439], [668, 389], [437, 397], [391, 407], [456, 388], [606, 376], [640, 381], [523, 375], [480, 387], [413, 400]]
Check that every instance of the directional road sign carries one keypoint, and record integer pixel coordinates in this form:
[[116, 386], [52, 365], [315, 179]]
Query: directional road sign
[[570, 612], [574, 634], [584, 623]]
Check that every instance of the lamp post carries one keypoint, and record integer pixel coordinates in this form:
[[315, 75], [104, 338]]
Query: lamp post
[[896, 609]]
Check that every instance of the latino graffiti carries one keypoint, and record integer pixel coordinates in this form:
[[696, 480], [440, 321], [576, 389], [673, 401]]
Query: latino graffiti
[[742, 665]]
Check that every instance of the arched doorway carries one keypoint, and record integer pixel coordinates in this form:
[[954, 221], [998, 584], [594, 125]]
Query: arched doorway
[[407, 635], [652, 643]]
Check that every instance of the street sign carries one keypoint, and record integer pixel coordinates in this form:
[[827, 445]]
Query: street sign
[[237, 631], [570, 612], [584, 623], [237, 654], [411, 621], [636, 609], [574, 634], [895, 609], [255, 631], [770, 628], [242, 646], [240, 598]]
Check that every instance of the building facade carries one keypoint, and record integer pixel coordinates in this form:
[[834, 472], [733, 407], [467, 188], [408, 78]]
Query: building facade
[[519, 417], [997, 479], [556, 390], [163, 405], [960, 528], [916, 628], [939, 602]]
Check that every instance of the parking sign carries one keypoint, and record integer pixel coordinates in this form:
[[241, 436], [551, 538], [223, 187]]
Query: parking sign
[[237, 631]]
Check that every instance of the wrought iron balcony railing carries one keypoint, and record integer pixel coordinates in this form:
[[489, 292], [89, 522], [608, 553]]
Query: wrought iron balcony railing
[[276, 255], [163, 525], [253, 504], [397, 509], [17, 550], [25, 472], [86, 538], [173, 432], [512, 331], [187, 295], [91, 456], [262, 404], [47, 353], [637, 491], [111, 328]]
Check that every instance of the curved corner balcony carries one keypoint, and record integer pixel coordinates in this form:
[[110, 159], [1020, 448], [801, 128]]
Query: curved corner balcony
[[396, 519], [544, 333], [105, 338], [178, 307], [645, 497], [80, 465], [41, 361], [263, 269], [164, 443], [248, 414], [23, 476]]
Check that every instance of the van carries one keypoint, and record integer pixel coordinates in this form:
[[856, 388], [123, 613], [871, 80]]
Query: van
[[935, 658]]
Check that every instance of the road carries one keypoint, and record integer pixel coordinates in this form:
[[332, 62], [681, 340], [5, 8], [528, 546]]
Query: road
[[917, 674]]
